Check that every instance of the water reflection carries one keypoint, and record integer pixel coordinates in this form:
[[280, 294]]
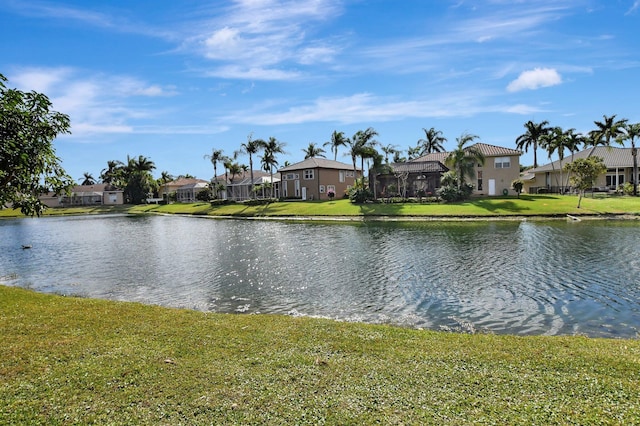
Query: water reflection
[[503, 277]]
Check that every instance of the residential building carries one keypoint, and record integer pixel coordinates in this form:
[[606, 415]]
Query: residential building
[[189, 187], [239, 187], [314, 178], [549, 178], [501, 167], [188, 192], [410, 179], [85, 195]]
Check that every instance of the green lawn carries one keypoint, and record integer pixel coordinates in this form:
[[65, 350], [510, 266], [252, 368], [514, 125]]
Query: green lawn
[[67, 360], [526, 205], [538, 205]]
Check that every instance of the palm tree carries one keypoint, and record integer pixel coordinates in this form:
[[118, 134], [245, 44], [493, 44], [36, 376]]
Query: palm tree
[[413, 152], [606, 130], [388, 150], [531, 138], [139, 182], [313, 151], [251, 147], [631, 132], [112, 173], [271, 148], [165, 177], [463, 159], [215, 157], [360, 140], [88, 179], [432, 142], [554, 142], [337, 140], [572, 142]]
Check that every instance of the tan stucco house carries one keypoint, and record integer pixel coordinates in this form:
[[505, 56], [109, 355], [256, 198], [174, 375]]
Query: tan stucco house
[[314, 178], [501, 167], [547, 179], [85, 195]]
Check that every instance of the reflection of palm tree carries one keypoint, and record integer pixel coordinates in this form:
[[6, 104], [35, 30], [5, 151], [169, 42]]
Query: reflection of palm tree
[[432, 142], [313, 151], [464, 158], [337, 140], [88, 179], [531, 138]]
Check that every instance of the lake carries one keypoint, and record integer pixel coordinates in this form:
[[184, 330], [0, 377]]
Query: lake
[[505, 277]]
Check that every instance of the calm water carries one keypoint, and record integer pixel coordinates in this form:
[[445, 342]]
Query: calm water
[[502, 277]]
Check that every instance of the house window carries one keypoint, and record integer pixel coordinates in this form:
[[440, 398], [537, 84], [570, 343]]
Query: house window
[[322, 189], [479, 180], [612, 182], [341, 175], [297, 188], [308, 174], [502, 162], [349, 173], [331, 188]]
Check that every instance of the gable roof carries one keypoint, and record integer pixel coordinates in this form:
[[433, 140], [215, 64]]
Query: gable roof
[[486, 150], [315, 163], [612, 157]]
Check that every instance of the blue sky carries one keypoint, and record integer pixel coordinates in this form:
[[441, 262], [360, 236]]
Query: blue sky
[[171, 80]]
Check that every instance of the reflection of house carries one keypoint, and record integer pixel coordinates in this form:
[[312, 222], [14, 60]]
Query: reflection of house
[[86, 195], [239, 187], [314, 178], [501, 167], [546, 178], [411, 179]]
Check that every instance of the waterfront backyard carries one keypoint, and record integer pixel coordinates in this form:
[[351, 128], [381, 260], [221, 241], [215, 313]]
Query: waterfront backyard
[[66, 359]]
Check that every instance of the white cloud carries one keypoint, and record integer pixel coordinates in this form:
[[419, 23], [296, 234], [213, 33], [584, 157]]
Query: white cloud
[[535, 79], [636, 5]]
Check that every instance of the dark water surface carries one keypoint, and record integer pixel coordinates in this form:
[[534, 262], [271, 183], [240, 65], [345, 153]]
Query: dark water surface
[[503, 277]]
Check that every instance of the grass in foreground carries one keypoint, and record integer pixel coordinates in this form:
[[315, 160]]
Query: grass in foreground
[[69, 360]]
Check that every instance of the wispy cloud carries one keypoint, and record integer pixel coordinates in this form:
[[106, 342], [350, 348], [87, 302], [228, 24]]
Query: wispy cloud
[[367, 108], [634, 7], [96, 103], [264, 39], [535, 79]]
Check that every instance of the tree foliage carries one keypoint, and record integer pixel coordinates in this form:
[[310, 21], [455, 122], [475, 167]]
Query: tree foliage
[[584, 172], [28, 162]]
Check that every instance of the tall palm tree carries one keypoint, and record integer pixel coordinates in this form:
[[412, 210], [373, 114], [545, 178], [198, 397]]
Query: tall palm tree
[[413, 152], [572, 142], [165, 177], [554, 143], [215, 157], [463, 159], [388, 150], [251, 147], [112, 173], [531, 138], [357, 144], [432, 142], [337, 140], [631, 132], [271, 148], [88, 179], [607, 130], [313, 151]]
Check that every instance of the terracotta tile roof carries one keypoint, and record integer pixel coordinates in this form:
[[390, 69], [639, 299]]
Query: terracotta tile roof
[[612, 157], [315, 162]]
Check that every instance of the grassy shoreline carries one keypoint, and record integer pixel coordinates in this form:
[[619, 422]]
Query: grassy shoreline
[[498, 208], [77, 361]]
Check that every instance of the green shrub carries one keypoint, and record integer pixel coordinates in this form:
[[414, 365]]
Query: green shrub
[[360, 195]]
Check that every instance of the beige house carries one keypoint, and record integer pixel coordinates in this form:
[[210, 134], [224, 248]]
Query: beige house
[[188, 188], [239, 187], [99, 194], [314, 178], [501, 167], [549, 179]]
